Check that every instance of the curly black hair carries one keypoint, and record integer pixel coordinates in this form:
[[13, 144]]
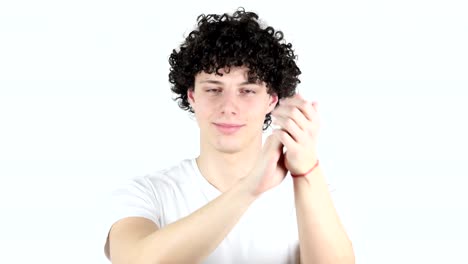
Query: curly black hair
[[225, 41]]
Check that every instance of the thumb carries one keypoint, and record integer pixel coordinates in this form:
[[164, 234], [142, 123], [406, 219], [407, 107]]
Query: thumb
[[274, 140], [272, 143]]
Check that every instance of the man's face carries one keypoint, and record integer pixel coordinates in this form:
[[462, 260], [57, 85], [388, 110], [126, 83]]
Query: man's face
[[230, 111]]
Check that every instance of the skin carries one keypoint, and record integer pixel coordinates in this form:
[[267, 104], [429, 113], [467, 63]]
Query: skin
[[242, 169], [300, 123], [224, 159], [322, 237]]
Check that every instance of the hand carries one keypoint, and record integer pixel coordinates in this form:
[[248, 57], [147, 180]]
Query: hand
[[269, 170], [299, 122]]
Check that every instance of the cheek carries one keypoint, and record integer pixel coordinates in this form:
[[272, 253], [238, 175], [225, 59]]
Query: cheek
[[257, 112], [203, 110], [258, 106]]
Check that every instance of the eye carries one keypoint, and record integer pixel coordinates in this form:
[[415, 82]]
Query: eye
[[248, 91], [213, 90]]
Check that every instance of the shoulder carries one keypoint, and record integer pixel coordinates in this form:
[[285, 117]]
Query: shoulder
[[174, 175], [148, 191], [177, 173]]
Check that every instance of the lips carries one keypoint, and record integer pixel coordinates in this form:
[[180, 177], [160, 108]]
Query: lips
[[228, 128]]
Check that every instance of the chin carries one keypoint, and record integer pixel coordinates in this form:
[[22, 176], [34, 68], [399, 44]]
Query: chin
[[229, 149]]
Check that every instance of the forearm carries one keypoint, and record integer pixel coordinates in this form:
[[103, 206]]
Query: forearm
[[322, 237], [193, 238]]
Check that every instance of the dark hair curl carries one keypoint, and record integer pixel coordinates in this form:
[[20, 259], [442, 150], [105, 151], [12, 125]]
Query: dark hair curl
[[225, 41]]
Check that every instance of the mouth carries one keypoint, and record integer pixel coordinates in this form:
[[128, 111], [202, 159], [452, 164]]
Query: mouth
[[228, 128]]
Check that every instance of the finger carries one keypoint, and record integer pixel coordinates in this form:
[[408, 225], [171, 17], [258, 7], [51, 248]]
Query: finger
[[272, 142], [285, 138], [303, 105], [315, 116], [273, 147], [291, 112], [315, 106], [289, 126]]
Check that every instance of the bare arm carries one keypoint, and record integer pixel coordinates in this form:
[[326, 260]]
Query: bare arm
[[193, 238], [322, 238], [189, 240]]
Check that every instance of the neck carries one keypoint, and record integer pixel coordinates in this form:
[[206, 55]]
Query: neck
[[223, 170]]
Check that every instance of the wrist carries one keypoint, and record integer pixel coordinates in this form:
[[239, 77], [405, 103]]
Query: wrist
[[305, 173], [248, 188]]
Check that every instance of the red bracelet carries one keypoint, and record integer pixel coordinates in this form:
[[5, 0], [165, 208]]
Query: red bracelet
[[309, 171]]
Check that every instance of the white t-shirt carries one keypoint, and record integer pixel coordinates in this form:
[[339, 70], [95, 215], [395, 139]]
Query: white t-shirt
[[266, 233]]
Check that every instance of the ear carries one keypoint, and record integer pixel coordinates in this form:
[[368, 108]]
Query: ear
[[190, 97], [273, 102]]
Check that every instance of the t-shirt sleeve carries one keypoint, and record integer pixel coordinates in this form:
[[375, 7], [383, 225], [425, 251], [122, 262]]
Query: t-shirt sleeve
[[133, 198]]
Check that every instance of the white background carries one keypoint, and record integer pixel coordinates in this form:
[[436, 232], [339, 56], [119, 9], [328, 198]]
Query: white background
[[85, 103]]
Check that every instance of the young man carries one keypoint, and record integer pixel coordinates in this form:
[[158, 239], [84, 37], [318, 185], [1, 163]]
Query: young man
[[238, 201]]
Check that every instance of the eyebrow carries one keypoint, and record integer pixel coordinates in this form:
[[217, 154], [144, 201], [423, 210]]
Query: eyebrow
[[219, 82]]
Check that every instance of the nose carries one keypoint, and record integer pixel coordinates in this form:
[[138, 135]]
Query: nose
[[229, 104]]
